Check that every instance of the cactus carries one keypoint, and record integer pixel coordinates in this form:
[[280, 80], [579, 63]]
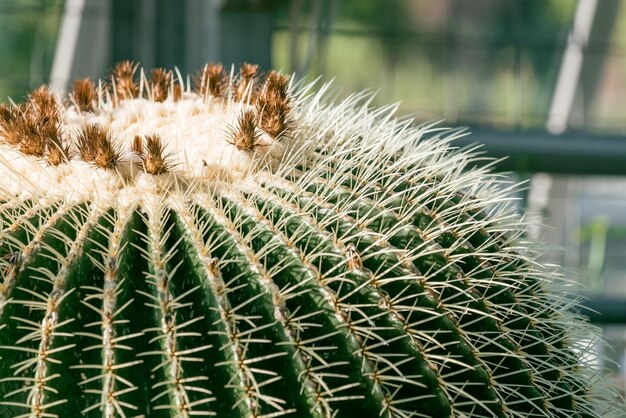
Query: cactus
[[237, 246]]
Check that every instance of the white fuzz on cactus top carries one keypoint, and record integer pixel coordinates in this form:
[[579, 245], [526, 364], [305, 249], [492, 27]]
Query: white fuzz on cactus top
[[195, 134], [197, 131]]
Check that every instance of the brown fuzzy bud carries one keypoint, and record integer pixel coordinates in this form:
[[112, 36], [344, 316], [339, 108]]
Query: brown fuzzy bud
[[96, 146], [43, 102], [23, 126], [123, 77], [245, 135], [275, 88], [160, 81], [211, 80], [274, 106], [177, 92], [248, 71], [56, 152], [29, 128], [274, 117], [154, 160], [35, 127], [137, 145], [84, 94], [247, 78], [10, 116]]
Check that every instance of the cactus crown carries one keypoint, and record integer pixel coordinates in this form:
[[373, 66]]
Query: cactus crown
[[240, 247]]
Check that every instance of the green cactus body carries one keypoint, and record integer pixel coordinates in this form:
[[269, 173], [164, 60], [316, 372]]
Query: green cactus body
[[244, 249]]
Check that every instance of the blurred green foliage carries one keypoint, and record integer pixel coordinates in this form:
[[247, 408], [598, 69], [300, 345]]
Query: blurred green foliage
[[485, 62], [28, 31]]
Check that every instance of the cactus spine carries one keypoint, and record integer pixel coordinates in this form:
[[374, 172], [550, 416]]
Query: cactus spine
[[244, 249]]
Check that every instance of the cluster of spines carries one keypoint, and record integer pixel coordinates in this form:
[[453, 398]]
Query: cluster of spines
[[34, 127], [160, 85]]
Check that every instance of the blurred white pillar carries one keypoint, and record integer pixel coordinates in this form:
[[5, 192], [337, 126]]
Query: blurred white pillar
[[571, 65], [82, 48]]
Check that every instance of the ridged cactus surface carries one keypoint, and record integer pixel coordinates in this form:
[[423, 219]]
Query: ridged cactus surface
[[238, 247]]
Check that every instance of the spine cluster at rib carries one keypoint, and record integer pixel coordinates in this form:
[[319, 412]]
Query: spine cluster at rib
[[232, 245]]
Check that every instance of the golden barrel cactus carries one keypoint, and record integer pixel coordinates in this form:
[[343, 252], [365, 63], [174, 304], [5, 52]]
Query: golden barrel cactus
[[234, 245]]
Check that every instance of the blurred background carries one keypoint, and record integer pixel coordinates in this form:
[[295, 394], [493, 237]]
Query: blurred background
[[540, 81]]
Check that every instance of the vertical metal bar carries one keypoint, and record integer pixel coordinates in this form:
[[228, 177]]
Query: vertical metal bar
[[66, 44], [83, 47], [571, 65]]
